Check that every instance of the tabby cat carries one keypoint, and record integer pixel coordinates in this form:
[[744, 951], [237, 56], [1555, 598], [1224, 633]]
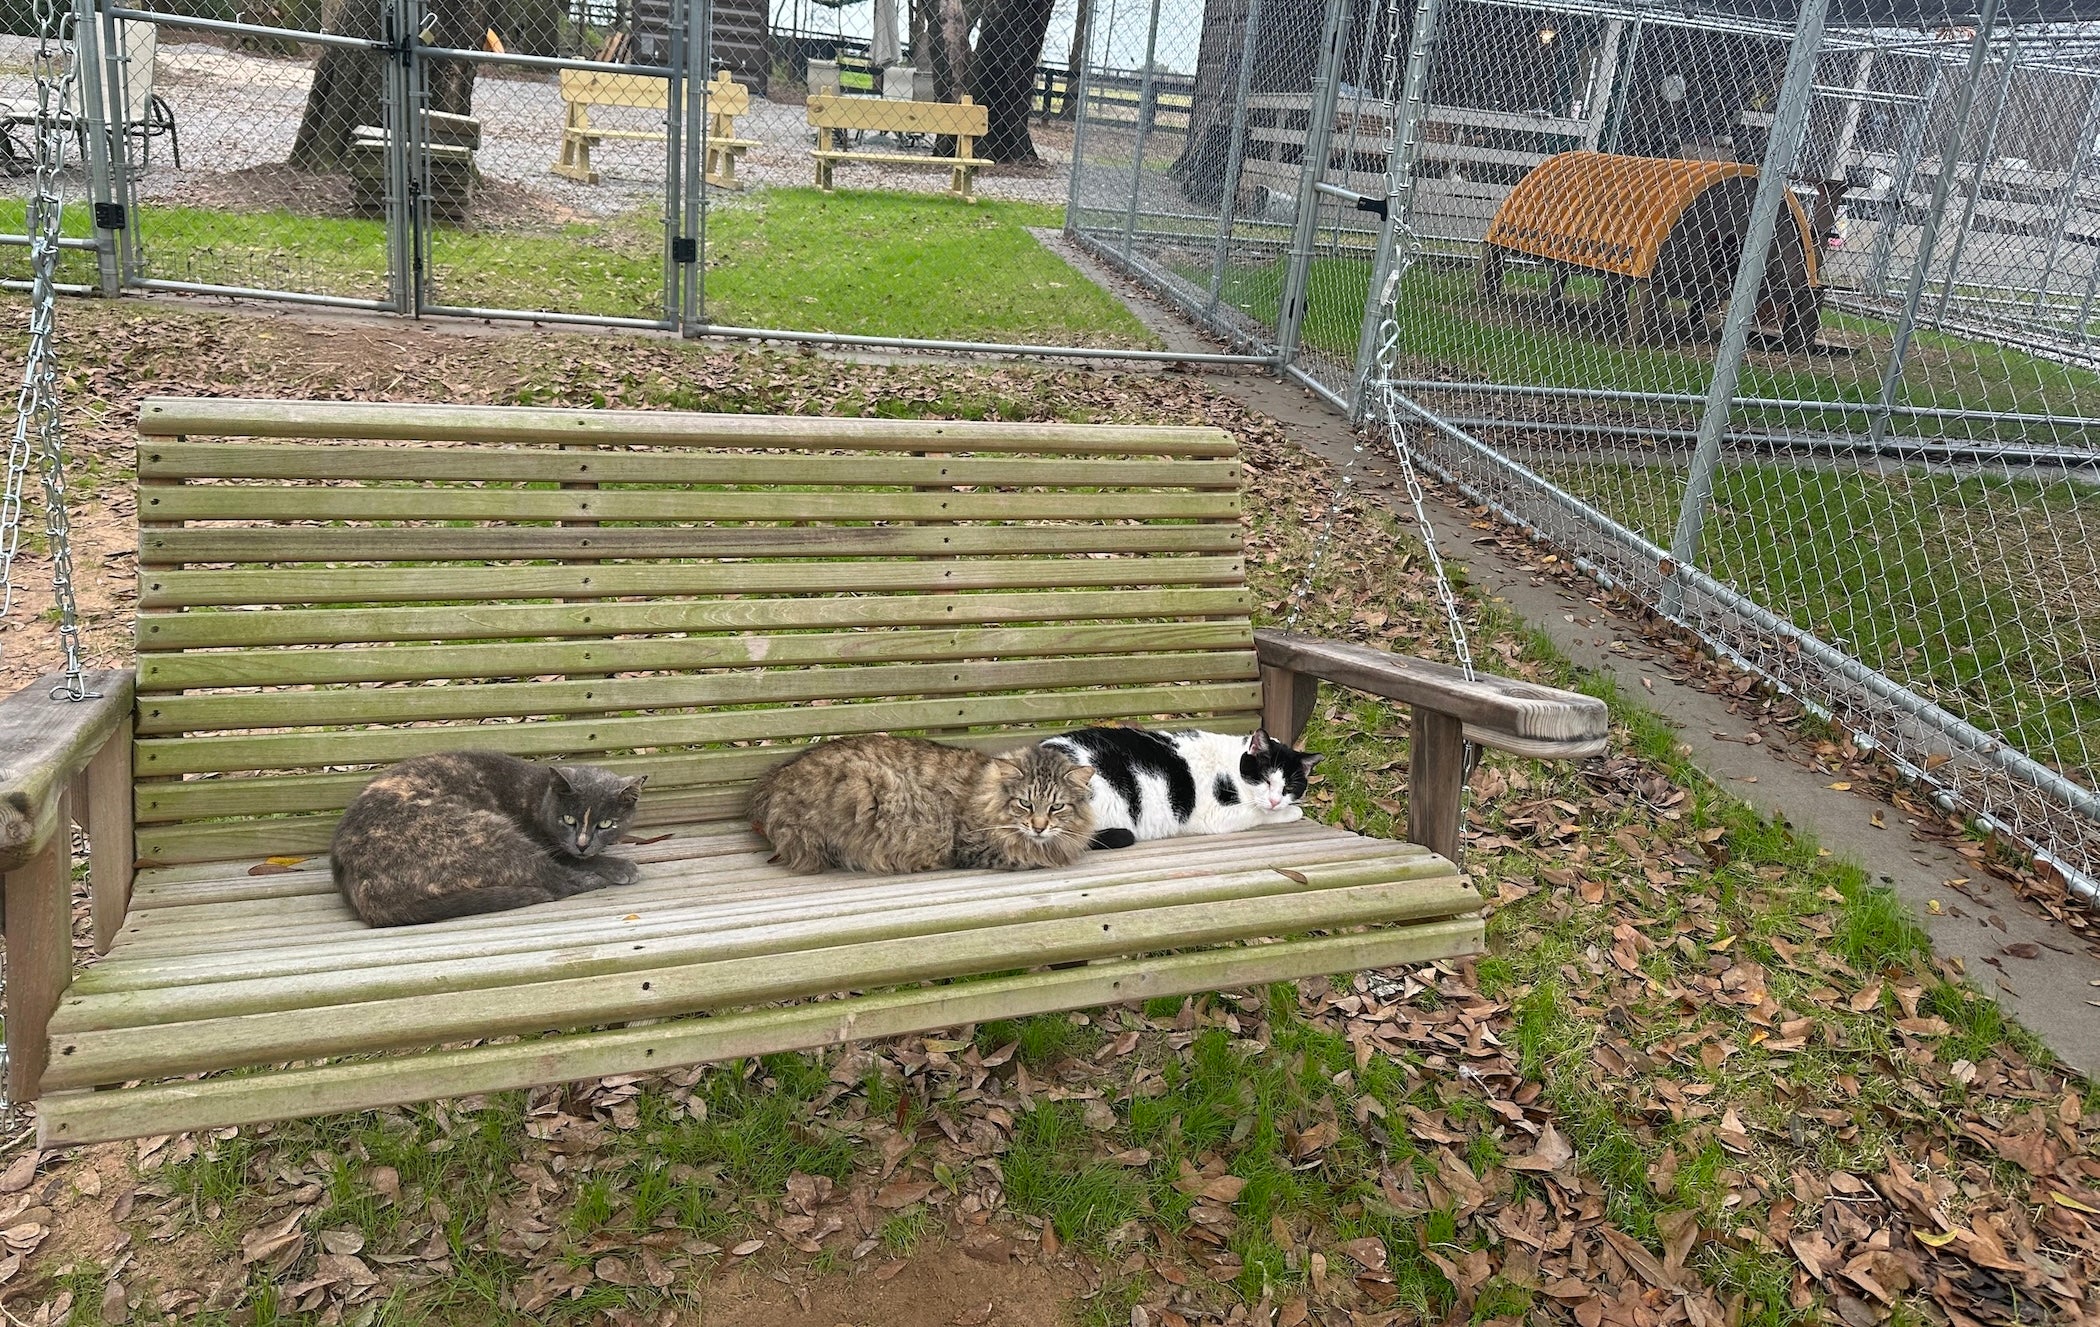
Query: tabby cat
[[1154, 785], [479, 831], [893, 804]]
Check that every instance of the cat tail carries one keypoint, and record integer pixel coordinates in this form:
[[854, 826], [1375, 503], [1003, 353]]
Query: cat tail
[[1112, 838]]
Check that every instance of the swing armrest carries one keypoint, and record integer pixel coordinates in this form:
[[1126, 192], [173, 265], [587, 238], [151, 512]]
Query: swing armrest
[[1450, 710], [44, 745]]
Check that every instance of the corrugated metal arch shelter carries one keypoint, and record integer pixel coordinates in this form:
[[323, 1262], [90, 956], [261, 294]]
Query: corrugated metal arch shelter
[[1658, 230]]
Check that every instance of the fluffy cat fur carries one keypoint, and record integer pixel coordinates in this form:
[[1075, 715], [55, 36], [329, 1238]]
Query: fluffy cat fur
[[894, 804], [478, 831], [1155, 785]]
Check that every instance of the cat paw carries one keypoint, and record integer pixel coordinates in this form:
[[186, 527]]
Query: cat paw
[[617, 870], [1288, 814]]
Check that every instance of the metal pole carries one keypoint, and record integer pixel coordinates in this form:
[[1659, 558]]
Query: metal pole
[[675, 89], [404, 272], [1228, 205], [1410, 108], [1078, 89], [1319, 132], [1848, 128], [1602, 81], [2085, 306], [1984, 155], [1137, 153], [692, 178], [95, 121], [1907, 154], [1929, 233], [1618, 112], [116, 56], [2081, 158], [1789, 119]]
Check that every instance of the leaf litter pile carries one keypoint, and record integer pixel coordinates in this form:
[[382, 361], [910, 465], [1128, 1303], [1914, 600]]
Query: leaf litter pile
[[1704, 1076]]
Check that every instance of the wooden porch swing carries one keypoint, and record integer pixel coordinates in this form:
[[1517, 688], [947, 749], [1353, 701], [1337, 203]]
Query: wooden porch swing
[[327, 587]]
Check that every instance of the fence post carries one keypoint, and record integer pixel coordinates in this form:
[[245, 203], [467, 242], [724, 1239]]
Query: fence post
[[1319, 133], [95, 120], [116, 86], [1929, 232], [1848, 128], [1906, 166], [1076, 87], [2081, 160], [1618, 111], [678, 90], [399, 100], [1410, 108], [1229, 202], [1984, 154], [1603, 80], [1137, 152], [1789, 119]]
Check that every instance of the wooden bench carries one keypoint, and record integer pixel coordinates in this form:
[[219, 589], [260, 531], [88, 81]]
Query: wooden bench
[[963, 121], [582, 89], [326, 587]]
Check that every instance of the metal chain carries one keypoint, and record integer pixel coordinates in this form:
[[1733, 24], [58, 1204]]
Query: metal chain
[[39, 432]]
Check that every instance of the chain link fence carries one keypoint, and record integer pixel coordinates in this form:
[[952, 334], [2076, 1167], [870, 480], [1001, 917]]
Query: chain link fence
[[1778, 317]]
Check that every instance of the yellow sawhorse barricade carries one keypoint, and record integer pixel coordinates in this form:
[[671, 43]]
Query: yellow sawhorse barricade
[[583, 89]]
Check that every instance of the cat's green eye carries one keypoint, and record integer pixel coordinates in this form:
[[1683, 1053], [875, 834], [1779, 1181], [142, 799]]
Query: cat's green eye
[[568, 820]]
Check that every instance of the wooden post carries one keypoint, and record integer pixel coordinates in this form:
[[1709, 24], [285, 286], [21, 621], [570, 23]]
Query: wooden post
[[1436, 776], [1286, 702], [108, 824], [39, 902]]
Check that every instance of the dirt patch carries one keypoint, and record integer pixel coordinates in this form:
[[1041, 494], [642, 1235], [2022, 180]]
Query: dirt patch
[[938, 1287]]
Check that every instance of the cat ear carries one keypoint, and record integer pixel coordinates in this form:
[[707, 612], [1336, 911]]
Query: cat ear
[[1258, 742], [1007, 768], [1081, 775], [566, 774], [632, 791], [1311, 758]]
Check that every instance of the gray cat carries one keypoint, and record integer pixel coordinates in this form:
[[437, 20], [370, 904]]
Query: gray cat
[[467, 832]]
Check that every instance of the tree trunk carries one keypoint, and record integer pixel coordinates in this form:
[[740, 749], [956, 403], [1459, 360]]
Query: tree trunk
[[461, 25], [346, 87], [1002, 75], [1075, 60]]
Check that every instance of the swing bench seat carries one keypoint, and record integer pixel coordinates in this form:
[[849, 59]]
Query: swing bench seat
[[328, 587]]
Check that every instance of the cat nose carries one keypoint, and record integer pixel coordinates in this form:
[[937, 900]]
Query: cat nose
[[1040, 823]]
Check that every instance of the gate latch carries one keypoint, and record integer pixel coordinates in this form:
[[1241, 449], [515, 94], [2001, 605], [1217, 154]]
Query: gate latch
[[109, 216]]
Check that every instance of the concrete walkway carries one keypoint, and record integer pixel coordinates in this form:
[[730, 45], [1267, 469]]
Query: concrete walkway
[[2053, 995]]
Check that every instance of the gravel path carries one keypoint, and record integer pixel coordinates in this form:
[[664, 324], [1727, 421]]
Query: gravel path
[[238, 111]]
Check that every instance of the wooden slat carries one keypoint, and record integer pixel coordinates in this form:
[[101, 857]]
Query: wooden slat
[[361, 705], [407, 663], [84, 1059], [697, 878], [308, 543], [697, 884], [372, 585], [748, 920], [195, 755], [275, 502], [67, 1119], [161, 416], [159, 801], [176, 631], [211, 460]]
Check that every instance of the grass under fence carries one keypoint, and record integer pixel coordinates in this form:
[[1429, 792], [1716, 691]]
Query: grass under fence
[[864, 263]]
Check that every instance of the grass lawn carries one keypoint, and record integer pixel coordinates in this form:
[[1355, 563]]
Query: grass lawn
[[1973, 590], [1449, 333], [878, 264], [1704, 1075]]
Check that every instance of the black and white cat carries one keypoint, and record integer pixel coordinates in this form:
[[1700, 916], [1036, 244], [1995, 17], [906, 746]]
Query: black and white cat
[[1153, 785]]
